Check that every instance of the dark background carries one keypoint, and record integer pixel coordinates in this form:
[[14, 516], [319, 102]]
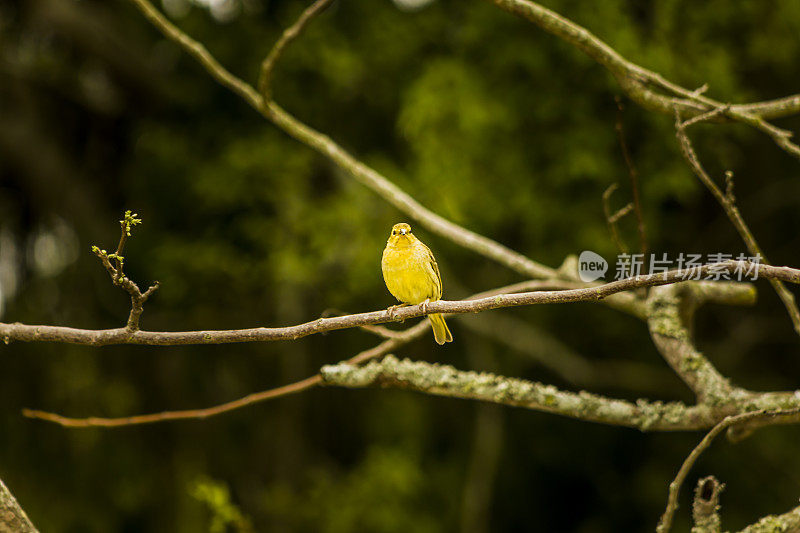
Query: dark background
[[483, 118]]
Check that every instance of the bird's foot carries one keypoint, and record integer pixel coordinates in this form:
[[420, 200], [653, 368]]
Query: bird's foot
[[392, 311], [424, 305]]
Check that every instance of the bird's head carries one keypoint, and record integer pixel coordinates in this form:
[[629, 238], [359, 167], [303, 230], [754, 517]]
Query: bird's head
[[401, 234]]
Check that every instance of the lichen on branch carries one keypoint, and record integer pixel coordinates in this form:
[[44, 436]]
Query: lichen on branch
[[445, 380]]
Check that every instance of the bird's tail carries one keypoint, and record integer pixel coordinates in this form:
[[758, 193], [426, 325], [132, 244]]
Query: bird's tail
[[440, 330]]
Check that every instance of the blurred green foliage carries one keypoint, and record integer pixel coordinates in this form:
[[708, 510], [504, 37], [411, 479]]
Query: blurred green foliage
[[484, 119], [217, 497], [389, 486]]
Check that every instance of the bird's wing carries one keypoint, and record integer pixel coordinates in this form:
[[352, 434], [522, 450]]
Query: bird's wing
[[434, 267]]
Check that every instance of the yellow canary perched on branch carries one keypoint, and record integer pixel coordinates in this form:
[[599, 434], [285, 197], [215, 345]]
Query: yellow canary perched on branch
[[412, 275]]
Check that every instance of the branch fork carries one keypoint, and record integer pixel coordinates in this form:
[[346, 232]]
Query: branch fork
[[114, 263]]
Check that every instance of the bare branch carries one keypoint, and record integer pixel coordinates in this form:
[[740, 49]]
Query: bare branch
[[637, 81], [362, 173], [709, 115], [358, 170], [674, 488], [199, 52], [621, 212], [727, 202], [41, 333], [611, 219], [251, 399], [634, 176], [165, 416], [397, 339], [378, 183], [404, 201], [289, 35], [138, 298]]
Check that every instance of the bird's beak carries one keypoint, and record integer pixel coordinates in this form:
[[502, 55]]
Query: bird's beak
[[403, 231]]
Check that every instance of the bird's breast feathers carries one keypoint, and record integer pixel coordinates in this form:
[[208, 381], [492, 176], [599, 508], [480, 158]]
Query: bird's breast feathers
[[410, 274]]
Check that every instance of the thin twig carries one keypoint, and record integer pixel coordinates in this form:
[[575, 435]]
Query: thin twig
[[674, 488], [634, 176], [726, 200], [165, 416], [637, 81], [611, 219], [621, 212], [138, 298], [199, 52], [290, 34], [710, 115]]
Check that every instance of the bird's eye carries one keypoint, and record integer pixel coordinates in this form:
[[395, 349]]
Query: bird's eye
[[394, 233]]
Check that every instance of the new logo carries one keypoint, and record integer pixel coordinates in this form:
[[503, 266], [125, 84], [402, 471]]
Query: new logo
[[591, 266]]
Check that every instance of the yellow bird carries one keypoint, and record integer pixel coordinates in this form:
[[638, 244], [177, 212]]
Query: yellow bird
[[412, 275]]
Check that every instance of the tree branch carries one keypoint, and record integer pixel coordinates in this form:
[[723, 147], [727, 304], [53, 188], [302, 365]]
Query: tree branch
[[444, 380], [637, 81], [362, 173], [613, 218], [668, 325], [41, 333], [165, 416], [358, 170], [634, 177], [674, 488], [379, 184], [402, 200], [199, 52], [289, 35], [396, 339], [727, 202], [251, 399], [12, 517]]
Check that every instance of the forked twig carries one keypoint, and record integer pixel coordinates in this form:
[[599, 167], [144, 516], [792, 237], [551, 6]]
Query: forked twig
[[613, 218], [727, 201], [115, 270], [634, 177], [674, 488], [289, 35]]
